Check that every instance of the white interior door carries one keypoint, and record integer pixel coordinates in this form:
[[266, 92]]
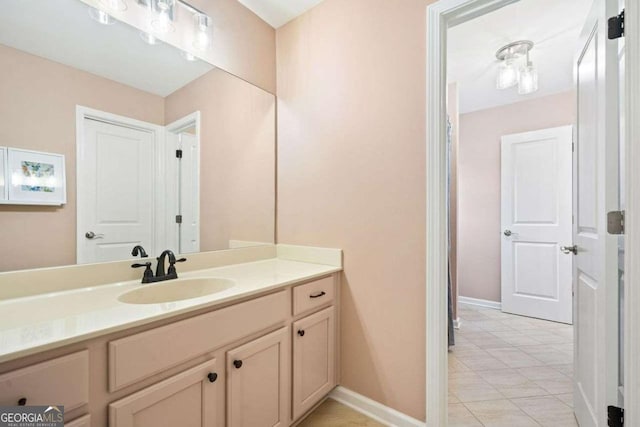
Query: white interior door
[[536, 223], [115, 191], [189, 199], [596, 193]]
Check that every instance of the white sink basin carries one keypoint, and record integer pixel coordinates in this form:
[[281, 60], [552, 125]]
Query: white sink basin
[[175, 290]]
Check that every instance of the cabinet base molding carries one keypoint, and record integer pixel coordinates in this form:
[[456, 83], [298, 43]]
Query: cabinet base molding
[[372, 409]]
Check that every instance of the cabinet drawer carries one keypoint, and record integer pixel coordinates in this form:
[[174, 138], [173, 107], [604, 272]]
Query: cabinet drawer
[[313, 294], [140, 356], [61, 381]]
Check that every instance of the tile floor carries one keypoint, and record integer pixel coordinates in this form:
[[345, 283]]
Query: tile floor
[[510, 371]]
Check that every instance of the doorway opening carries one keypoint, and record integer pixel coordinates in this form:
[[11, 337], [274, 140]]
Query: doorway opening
[[536, 256]]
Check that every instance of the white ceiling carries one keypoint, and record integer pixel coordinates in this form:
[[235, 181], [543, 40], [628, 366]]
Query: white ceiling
[[62, 31], [278, 12], [553, 25]]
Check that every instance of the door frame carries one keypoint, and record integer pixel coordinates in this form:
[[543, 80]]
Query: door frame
[[159, 168], [193, 119], [441, 16]]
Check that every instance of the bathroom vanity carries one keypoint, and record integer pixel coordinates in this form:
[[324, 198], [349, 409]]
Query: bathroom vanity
[[261, 352]]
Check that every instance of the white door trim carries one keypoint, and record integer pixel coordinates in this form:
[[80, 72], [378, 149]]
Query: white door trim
[[159, 167], [632, 219], [193, 119], [440, 16]]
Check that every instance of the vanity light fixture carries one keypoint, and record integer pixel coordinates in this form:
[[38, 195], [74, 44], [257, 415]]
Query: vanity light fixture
[[202, 29], [148, 38], [116, 5], [511, 74], [101, 16]]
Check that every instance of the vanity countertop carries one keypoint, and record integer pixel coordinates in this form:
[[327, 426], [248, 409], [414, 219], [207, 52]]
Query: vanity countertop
[[37, 323]]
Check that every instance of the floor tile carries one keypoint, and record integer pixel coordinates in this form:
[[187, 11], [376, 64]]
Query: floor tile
[[548, 411], [460, 416], [500, 413], [567, 398]]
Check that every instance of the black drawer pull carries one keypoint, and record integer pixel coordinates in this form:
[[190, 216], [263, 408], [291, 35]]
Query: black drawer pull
[[22, 401], [237, 364], [321, 294], [301, 332], [212, 377]]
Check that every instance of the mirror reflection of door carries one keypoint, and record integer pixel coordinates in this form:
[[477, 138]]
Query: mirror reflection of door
[[186, 140], [115, 191]]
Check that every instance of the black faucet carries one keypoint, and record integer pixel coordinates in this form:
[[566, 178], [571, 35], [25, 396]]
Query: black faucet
[[139, 249], [160, 275]]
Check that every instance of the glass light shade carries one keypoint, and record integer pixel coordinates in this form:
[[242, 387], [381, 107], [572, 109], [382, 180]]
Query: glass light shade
[[507, 75], [101, 16], [162, 24], [528, 82], [202, 32], [148, 38], [119, 5], [165, 4]]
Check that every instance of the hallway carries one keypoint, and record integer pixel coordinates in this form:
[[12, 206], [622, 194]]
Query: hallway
[[510, 371]]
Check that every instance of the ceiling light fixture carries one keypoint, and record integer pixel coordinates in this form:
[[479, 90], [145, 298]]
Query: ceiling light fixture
[[510, 74], [148, 38], [189, 56]]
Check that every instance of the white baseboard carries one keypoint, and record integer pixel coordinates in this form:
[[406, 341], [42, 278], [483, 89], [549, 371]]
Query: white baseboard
[[457, 323], [480, 302], [372, 409]]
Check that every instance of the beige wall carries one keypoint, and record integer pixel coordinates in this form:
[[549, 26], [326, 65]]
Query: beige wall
[[237, 157], [479, 233], [351, 174], [37, 112], [243, 44]]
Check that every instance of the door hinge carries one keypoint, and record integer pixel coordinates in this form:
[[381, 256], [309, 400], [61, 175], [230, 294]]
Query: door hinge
[[615, 416], [179, 154], [616, 26], [615, 222], [178, 219]]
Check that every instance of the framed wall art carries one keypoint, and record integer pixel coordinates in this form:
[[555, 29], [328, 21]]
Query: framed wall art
[[34, 177]]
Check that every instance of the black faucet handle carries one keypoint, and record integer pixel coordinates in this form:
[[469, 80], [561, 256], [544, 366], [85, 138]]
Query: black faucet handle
[[139, 249], [181, 260], [148, 273]]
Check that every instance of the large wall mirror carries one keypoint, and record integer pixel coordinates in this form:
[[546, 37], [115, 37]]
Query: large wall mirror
[[161, 148]]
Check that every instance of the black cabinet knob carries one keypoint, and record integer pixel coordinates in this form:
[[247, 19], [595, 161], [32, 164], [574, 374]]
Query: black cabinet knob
[[22, 401], [301, 332], [237, 364], [212, 377]]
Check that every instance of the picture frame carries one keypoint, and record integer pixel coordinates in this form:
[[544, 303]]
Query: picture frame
[[35, 177], [4, 187]]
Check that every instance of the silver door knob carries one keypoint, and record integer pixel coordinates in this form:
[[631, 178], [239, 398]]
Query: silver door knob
[[569, 249], [91, 235], [507, 233]]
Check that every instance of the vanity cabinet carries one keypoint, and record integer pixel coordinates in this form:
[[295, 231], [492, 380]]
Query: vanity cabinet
[[188, 399], [313, 360], [258, 382]]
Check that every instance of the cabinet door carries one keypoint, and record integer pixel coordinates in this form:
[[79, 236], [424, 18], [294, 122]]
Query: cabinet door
[[188, 399], [313, 360], [258, 382]]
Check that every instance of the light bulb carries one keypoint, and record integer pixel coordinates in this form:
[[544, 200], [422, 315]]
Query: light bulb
[[507, 75], [528, 82], [101, 16], [162, 23], [118, 5], [202, 39], [148, 38]]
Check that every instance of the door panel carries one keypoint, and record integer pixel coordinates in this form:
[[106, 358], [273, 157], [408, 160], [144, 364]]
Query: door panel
[[115, 191], [258, 386], [536, 221], [313, 360], [596, 193], [189, 399]]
